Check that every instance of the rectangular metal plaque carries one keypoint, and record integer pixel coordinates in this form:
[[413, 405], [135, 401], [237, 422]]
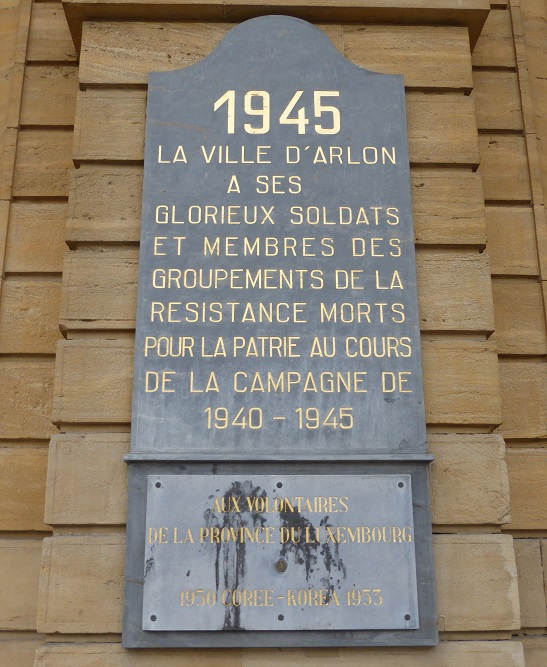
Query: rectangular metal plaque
[[279, 552]]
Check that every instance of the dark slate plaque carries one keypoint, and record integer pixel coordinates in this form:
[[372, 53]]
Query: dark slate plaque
[[277, 357], [277, 310], [279, 552]]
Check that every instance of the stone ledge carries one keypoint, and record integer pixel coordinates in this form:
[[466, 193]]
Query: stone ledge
[[469, 13]]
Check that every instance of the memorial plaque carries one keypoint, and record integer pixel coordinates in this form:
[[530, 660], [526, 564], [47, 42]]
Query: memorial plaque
[[278, 463], [277, 308], [277, 552]]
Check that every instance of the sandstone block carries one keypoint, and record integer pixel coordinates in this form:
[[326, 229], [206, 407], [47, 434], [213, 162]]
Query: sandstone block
[[87, 479], [81, 585], [25, 409], [19, 562], [504, 168], [469, 483], [524, 398], [511, 240], [29, 315], [43, 163], [49, 38], [19, 651], [533, 613], [58, 85], [447, 654], [476, 582], [519, 315], [36, 237], [527, 469], [22, 488], [495, 47]]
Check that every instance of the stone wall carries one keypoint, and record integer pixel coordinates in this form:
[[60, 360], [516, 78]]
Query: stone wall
[[479, 173]]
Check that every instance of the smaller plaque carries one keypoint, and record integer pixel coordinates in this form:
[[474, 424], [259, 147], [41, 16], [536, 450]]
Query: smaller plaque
[[279, 552]]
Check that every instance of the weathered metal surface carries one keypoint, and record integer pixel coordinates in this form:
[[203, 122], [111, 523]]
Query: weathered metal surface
[[279, 552], [139, 473], [277, 309]]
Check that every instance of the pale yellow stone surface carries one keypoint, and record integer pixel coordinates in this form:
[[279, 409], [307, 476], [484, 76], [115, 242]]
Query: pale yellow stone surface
[[50, 39], [27, 392], [447, 654], [19, 651], [527, 470], [29, 315], [43, 162], [469, 483], [124, 52], [36, 236], [504, 168], [19, 575], [495, 46], [81, 585], [56, 84], [87, 479], [22, 488], [524, 398], [476, 581], [519, 315], [535, 651], [533, 612], [511, 241], [461, 382], [497, 100]]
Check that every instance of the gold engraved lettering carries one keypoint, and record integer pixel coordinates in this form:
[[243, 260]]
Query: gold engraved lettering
[[384, 346], [197, 387], [343, 215], [158, 535], [376, 247], [324, 347], [394, 283], [231, 155], [311, 597], [169, 346], [348, 279], [179, 155], [269, 246], [234, 185], [293, 381], [241, 535], [278, 185], [218, 350], [345, 534], [395, 382], [179, 240], [361, 312], [247, 597], [158, 244], [154, 381], [266, 346]]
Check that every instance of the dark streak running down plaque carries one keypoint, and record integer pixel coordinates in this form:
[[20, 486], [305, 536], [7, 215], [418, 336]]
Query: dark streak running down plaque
[[278, 465], [274, 552]]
